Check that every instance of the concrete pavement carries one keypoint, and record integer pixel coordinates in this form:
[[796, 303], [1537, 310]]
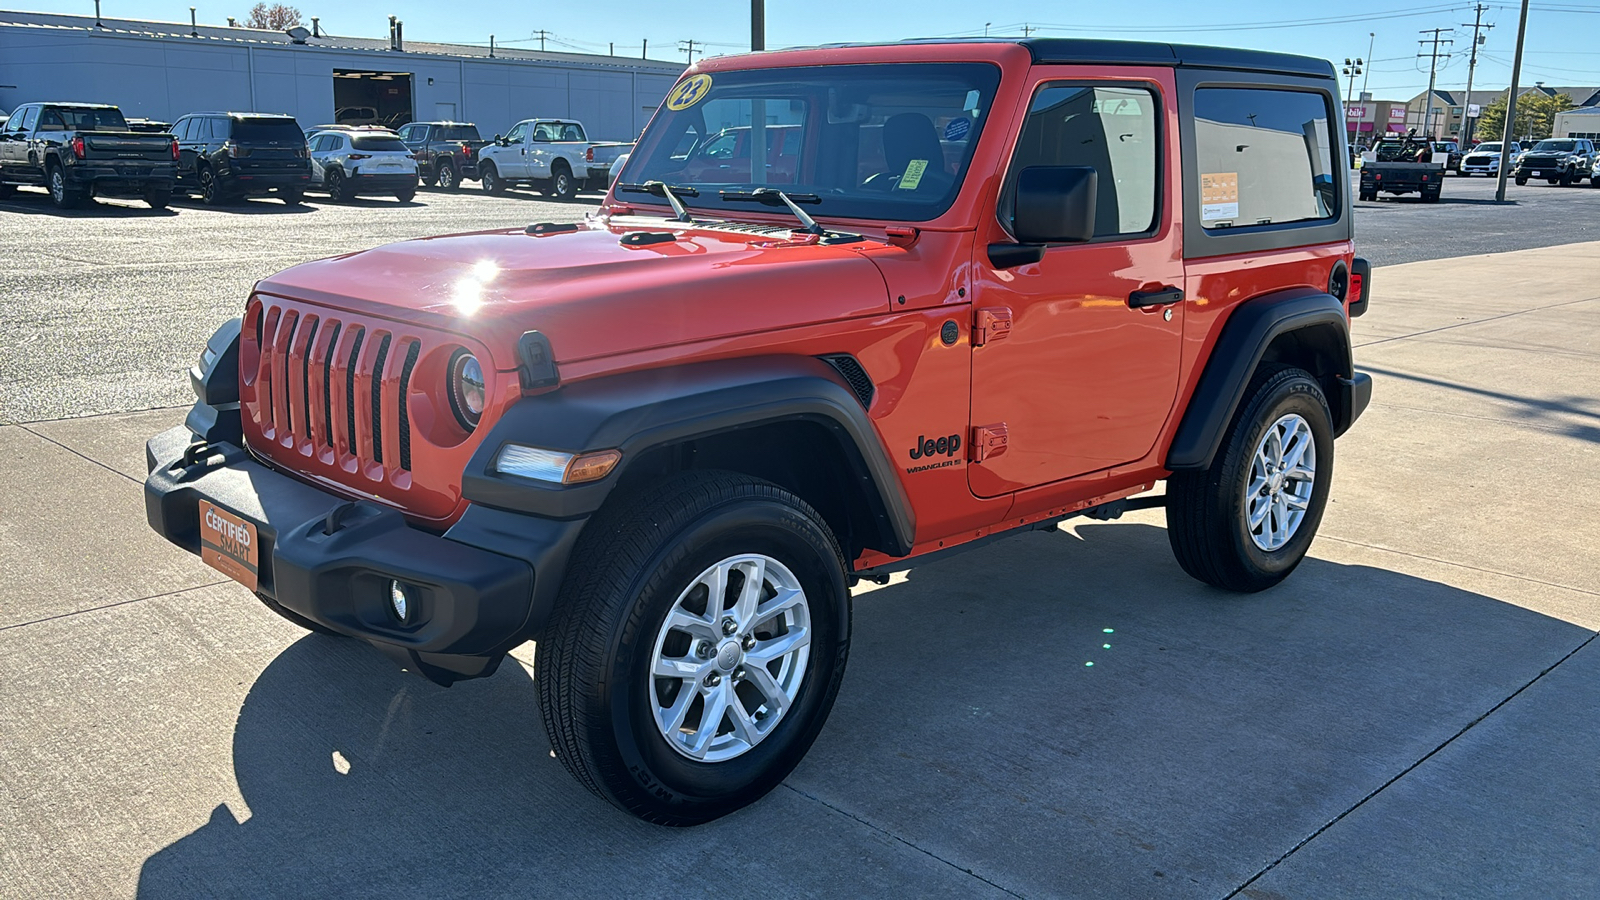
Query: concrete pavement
[[1412, 714]]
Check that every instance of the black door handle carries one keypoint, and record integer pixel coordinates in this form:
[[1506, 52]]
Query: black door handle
[[1142, 299]]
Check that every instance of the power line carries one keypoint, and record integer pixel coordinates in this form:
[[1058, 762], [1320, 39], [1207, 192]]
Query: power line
[[689, 48]]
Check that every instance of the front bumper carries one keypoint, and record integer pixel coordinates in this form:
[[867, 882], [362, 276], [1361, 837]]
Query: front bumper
[[473, 586]]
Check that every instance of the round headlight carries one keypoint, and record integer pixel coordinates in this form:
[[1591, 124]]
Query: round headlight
[[466, 389]]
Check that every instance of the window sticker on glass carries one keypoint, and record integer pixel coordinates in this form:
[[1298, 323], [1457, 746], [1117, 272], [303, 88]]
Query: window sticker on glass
[[913, 175], [957, 129], [1219, 196]]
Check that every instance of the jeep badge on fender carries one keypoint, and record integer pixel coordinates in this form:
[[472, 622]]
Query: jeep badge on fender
[[927, 446], [665, 442]]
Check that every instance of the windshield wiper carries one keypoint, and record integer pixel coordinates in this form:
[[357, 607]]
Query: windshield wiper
[[775, 197], [670, 192]]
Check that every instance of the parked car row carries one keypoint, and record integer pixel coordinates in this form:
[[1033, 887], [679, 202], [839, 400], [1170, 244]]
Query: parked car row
[[82, 150]]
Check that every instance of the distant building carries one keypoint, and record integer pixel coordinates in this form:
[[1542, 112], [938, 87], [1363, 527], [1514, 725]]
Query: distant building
[[1578, 123], [1366, 117], [1450, 108], [162, 70]]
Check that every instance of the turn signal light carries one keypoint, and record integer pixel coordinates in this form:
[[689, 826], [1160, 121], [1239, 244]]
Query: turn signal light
[[555, 467]]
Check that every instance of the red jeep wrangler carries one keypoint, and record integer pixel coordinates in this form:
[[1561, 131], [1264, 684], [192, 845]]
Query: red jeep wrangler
[[1001, 284]]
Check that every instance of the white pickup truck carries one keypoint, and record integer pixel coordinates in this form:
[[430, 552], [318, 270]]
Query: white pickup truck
[[553, 155]]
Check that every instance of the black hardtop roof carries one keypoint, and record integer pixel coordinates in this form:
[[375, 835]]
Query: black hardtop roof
[[1077, 51], [72, 103]]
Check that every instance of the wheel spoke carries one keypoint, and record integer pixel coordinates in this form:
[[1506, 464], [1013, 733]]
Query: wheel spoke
[[776, 700], [744, 727], [777, 648], [1259, 507], [681, 619], [744, 608], [716, 582], [1294, 502], [777, 606], [686, 668], [671, 718], [1280, 520], [1300, 474], [710, 720]]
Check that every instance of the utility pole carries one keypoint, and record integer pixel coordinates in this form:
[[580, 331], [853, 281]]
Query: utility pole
[[1433, 74], [688, 47], [1469, 122], [1372, 41], [758, 25], [1511, 107], [1027, 30], [542, 35], [1352, 69]]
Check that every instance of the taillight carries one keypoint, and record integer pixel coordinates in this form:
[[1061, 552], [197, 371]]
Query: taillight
[[236, 151], [588, 155], [77, 147], [466, 149], [302, 152], [360, 156], [174, 148], [1356, 286]]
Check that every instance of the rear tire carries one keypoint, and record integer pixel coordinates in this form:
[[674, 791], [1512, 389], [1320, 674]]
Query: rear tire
[[63, 195], [634, 629], [292, 196], [1209, 512], [338, 186], [447, 177], [405, 196], [210, 189], [158, 197], [562, 185]]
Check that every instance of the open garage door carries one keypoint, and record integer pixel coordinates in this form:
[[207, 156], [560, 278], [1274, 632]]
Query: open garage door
[[372, 98]]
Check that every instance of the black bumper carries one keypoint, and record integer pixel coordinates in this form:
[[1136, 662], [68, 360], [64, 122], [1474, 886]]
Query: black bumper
[[382, 184], [474, 603], [114, 178], [1355, 393]]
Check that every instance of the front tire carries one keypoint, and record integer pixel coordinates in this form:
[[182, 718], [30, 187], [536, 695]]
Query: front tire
[[489, 176], [696, 648], [1522, 179], [1247, 521]]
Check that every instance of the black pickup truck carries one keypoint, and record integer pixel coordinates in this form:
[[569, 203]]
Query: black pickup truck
[[446, 152], [81, 150]]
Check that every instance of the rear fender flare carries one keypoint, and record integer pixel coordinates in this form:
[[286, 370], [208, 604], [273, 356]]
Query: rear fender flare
[[641, 411], [1306, 315]]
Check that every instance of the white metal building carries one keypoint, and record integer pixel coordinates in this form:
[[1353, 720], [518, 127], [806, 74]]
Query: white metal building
[[162, 70], [1583, 123]]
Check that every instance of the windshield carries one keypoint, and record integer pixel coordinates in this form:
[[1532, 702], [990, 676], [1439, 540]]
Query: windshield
[[263, 129], [1557, 146], [875, 142], [1487, 148], [66, 118], [378, 142]]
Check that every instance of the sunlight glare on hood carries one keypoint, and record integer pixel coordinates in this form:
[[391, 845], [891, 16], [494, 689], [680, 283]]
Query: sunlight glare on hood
[[468, 295]]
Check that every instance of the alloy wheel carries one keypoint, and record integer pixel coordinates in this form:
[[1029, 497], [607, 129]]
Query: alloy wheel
[[1283, 474], [730, 658]]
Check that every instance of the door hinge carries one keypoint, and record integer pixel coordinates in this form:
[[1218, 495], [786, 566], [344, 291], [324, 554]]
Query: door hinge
[[989, 324], [988, 441]]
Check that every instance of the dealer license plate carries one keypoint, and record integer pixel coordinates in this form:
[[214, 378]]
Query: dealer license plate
[[229, 544], [1536, 174]]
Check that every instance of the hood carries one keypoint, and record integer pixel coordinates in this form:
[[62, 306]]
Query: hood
[[592, 294]]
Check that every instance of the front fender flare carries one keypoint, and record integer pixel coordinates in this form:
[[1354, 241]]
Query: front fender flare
[[637, 411]]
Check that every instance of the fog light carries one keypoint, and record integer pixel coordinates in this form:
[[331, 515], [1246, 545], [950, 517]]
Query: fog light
[[400, 602]]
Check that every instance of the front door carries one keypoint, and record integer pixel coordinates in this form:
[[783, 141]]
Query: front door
[[1086, 374], [513, 160]]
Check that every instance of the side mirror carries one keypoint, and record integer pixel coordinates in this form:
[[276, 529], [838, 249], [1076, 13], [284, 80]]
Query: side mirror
[[497, 140], [1054, 205]]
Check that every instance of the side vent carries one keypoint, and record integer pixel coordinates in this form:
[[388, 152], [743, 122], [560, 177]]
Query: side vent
[[854, 375]]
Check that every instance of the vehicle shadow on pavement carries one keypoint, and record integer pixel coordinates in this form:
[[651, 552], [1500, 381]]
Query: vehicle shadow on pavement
[[972, 740], [37, 203], [246, 206]]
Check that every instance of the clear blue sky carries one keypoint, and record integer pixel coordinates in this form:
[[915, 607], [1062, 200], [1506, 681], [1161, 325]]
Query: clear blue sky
[[1562, 48]]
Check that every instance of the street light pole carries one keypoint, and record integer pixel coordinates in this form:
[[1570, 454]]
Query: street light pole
[[1351, 69], [1511, 106], [758, 25]]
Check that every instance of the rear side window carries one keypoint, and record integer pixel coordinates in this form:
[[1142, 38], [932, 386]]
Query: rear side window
[[1109, 129], [1265, 157], [264, 130], [378, 142], [460, 133]]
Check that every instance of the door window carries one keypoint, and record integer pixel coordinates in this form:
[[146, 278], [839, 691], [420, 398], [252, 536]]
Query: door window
[[180, 129], [1111, 129], [1265, 157], [518, 134]]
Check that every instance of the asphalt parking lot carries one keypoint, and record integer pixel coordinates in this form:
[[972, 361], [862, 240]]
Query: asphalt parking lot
[[1410, 715]]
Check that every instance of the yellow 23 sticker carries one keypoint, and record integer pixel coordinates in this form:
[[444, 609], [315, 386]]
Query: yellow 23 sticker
[[689, 92]]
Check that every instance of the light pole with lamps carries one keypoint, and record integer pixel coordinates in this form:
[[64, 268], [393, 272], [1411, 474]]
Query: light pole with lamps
[[1351, 70]]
